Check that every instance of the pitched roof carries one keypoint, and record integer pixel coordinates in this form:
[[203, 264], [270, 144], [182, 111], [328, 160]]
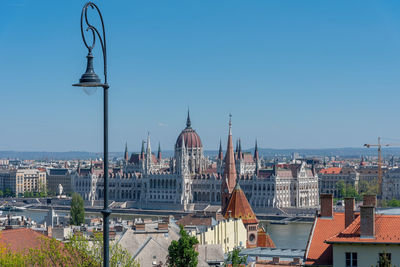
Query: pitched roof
[[196, 219], [331, 170], [229, 167], [387, 230], [264, 240], [239, 207], [21, 239], [318, 252]]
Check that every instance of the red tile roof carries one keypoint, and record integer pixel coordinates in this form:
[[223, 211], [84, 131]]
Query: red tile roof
[[318, 252], [239, 207], [195, 219], [21, 239], [387, 230], [331, 170], [264, 240]]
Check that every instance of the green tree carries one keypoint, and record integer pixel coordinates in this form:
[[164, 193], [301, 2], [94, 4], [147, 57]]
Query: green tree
[[393, 203], [78, 252], [368, 188], [235, 259], [182, 253], [77, 209], [384, 260], [42, 189], [8, 193], [341, 187], [351, 191], [1, 193]]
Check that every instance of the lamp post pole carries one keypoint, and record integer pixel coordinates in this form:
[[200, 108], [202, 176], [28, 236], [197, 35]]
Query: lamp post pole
[[90, 79]]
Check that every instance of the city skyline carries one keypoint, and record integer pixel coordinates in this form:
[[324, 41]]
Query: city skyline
[[293, 75]]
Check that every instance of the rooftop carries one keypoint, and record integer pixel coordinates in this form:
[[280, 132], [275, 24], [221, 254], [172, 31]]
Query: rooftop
[[387, 231]]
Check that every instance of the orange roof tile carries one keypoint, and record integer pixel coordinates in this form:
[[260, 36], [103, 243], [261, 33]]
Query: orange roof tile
[[387, 230], [21, 239], [264, 240], [239, 207], [331, 170], [318, 252]]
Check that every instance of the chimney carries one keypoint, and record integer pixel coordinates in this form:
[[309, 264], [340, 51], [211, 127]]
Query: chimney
[[348, 211], [367, 222], [369, 200], [326, 205]]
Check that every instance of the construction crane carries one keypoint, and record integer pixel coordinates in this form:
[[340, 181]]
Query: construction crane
[[379, 146]]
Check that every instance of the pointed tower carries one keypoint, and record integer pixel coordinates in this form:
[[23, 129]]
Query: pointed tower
[[183, 159], [142, 151], [126, 154], [188, 122], [159, 153], [240, 155], [237, 149], [229, 176], [256, 159], [239, 207], [220, 153], [220, 159], [149, 157]]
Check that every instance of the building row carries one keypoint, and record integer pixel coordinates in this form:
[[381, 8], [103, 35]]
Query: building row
[[190, 179]]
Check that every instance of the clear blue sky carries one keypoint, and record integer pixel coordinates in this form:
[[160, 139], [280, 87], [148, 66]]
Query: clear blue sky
[[294, 74]]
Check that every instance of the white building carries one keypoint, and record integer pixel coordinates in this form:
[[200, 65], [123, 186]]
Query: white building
[[191, 180]]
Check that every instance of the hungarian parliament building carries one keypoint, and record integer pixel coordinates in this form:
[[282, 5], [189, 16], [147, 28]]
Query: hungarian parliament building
[[191, 181]]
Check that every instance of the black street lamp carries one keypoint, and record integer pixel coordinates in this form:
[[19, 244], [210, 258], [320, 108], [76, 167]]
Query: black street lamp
[[90, 79]]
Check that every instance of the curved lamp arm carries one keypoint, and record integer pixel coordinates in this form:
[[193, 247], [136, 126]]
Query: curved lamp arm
[[94, 33]]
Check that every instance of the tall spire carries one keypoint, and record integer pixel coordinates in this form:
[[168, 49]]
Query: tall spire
[[240, 155], [148, 149], [188, 122], [142, 151], [159, 152], [229, 175], [220, 153], [149, 157], [230, 124], [126, 154], [256, 156]]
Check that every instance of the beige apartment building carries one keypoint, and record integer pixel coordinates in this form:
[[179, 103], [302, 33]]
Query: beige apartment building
[[229, 233], [23, 180]]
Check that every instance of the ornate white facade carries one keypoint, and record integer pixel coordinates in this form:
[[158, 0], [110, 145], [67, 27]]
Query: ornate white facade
[[146, 181]]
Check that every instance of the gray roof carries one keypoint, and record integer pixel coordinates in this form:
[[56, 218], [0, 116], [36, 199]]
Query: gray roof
[[148, 247], [58, 171], [274, 252], [211, 253]]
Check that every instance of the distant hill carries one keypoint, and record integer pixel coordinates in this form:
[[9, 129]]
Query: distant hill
[[347, 152]]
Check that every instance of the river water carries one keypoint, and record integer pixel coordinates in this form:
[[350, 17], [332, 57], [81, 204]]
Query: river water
[[292, 235]]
